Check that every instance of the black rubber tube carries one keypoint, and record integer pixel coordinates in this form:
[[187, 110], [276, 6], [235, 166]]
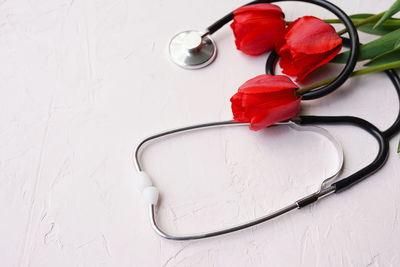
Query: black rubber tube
[[375, 165], [351, 62], [394, 77], [382, 137], [395, 127]]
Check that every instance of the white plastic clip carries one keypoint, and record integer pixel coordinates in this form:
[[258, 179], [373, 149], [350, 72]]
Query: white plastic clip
[[142, 181], [145, 185], [150, 195]]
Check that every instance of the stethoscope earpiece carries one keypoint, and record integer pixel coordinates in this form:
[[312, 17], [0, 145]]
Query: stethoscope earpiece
[[192, 49]]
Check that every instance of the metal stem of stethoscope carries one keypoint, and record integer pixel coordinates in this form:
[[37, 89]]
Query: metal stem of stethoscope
[[325, 189]]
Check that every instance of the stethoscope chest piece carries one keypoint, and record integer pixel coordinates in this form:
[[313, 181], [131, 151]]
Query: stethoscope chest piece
[[192, 49]]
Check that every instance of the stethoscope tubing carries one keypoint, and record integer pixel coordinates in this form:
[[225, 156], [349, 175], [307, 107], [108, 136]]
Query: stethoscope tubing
[[382, 137]]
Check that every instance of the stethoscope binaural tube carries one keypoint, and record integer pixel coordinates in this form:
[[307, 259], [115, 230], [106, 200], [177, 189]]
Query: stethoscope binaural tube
[[351, 29], [150, 192]]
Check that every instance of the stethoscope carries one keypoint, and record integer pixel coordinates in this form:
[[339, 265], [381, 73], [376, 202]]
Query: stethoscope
[[194, 49]]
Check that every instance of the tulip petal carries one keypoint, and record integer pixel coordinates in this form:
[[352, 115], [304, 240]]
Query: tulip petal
[[237, 109], [275, 98], [274, 115], [267, 83], [308, 43], [262, 7], [303, 64], [258, 17], [264, 100], [310, 34], [261, 38], [257, 27]]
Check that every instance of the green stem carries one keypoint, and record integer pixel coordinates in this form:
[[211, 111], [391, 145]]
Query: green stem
[[382, 67], [364, 21], [338, 21], [357, 21]]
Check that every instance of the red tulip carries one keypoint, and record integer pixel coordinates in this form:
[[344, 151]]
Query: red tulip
[[265, 100], [257, 28], [308, 43]]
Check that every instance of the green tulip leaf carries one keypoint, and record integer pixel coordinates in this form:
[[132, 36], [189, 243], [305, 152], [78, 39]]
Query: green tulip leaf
[[373, 48], [389, 13], [397, 44], [381, 30], [355, 18], [361, 16], [388, 26], [385, 58], [398, 148]]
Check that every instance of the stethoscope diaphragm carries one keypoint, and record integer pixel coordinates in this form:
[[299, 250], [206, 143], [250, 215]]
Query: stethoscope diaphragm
[[192, 49]]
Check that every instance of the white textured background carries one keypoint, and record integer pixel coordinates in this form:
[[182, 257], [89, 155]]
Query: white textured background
[[82, 82]]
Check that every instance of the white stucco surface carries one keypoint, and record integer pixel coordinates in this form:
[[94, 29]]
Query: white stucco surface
[[82, 82]]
